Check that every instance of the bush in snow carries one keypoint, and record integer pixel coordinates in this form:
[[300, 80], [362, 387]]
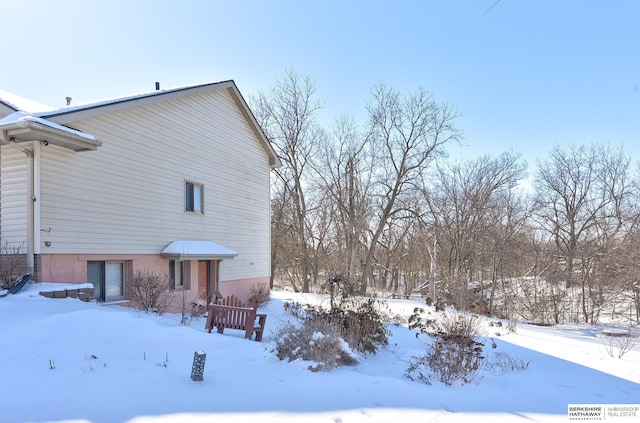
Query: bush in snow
[[12, 265], [150, 290], [618, 343], [260, 291], [446, 322], [314, 340], [454, 354], [361, 324], [356, 325], [190, 307], [503, 363]]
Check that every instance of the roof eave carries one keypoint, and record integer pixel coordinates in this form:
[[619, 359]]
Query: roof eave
[[26, 131], [274, 160], [6, 108]]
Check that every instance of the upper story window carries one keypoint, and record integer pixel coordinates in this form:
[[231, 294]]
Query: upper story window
[[194, 197]]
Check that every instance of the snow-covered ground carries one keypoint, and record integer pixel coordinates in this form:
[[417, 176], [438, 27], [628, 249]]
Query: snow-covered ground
[[66, 360]]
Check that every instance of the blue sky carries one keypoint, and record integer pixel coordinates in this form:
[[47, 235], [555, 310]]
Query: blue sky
[[524, 74]]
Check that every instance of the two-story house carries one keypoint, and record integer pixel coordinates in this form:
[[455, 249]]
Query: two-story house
[[173, 181]]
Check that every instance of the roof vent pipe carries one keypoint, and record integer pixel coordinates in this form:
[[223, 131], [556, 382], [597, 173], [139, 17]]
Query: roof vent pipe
[[157, 86], [68, 100]]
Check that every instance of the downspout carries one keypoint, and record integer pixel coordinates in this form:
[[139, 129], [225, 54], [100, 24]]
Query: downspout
[[31, 198]]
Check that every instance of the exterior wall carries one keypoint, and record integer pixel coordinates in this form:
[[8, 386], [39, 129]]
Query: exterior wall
[[127, 198], [13, 204], [72, 268]]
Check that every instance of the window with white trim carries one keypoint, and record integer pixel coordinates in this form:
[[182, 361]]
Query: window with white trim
[[194, 197]]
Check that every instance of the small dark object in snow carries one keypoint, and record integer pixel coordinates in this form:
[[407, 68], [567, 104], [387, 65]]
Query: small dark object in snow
[[197, 370]]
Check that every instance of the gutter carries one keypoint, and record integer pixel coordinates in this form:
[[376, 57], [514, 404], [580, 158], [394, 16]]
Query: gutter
[[24, 128]]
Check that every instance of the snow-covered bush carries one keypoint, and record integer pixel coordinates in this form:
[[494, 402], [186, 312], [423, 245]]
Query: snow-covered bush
[[313, 340], [355, 325], [446, 322]]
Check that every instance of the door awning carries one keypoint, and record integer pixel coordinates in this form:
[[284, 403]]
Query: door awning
[[197, 250]]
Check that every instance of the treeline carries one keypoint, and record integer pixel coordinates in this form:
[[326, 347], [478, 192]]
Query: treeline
[[381, 204]]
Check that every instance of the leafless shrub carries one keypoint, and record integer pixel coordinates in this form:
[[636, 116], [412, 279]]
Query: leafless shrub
[[295, 309], [619, 344], [12, 265], [448, 359], [465, 325], [313, 340], [454, 354], [190, 307], [260, 291], [341, 289], [328, 337], [504, 363], [150, 291], [361, 325], [449, 323]]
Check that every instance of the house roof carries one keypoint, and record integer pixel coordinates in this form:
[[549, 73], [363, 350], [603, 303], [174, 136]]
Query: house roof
[[68, 115], [10, 103], [197, 250]]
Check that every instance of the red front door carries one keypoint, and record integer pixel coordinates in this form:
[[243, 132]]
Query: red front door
[[207, 279]]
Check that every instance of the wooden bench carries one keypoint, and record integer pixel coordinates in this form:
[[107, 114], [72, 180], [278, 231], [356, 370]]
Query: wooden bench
[[231, 313]]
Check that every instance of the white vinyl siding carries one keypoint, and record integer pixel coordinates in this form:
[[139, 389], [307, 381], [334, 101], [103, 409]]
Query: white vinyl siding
[[128, 196], [13, 209]]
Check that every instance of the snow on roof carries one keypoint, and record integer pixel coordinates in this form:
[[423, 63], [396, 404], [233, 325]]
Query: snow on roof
[[18, 117], [114, 100], [188, 248], [40, 110], [22, 104]]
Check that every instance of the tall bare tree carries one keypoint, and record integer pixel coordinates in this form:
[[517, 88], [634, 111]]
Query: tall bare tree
[[344, 171], [407, 133], [463, 198], [287, 114]]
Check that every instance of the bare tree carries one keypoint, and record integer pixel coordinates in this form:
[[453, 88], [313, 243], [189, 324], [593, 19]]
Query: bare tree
[[582, 194], [287, 115], [344, 172], [504, 246], [462, 198], [407, 132]]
